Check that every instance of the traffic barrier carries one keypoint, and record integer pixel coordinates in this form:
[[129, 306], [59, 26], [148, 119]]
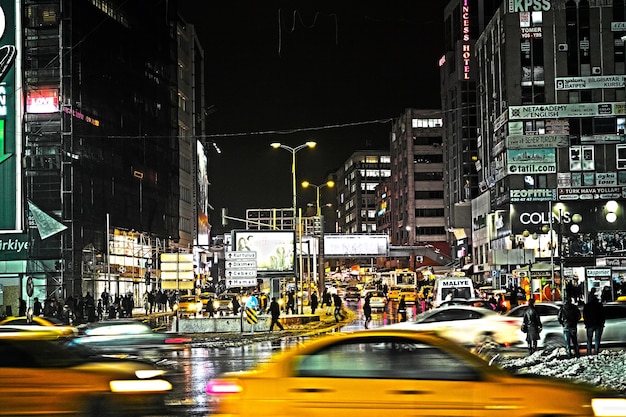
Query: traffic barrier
[[251, 316]]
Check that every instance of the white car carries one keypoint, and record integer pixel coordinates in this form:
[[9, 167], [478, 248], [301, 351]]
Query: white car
[[377, 299], [469, 326], [547, 314]]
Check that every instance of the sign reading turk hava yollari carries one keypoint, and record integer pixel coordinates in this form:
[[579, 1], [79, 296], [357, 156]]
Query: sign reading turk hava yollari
[[11, 205]]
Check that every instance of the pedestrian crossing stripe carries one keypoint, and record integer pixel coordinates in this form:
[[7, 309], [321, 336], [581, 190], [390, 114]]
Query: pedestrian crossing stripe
[[251, 316]]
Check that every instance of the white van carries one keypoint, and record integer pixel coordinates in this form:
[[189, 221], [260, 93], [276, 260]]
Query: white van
[[452, 287]]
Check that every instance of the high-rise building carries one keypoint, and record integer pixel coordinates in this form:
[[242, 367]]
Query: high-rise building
[[464, 21], [551, 92], [417, 196], [100, 169], [356, 190]]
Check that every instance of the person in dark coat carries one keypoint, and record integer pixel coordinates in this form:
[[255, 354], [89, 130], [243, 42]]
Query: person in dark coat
[[37, 307], [275, 312], [291, 303], [22, 308], [367, 310], [568, 316], [236, 305], [533, 326], [402, 309], [314, 302], [337, 302], [327, 300], [593, 315], [210, 308]]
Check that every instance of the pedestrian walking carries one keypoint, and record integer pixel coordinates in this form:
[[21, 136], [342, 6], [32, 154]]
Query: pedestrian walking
[[532, 326], [402, 309], [291, 303], [236, 305], [327, 300], [568, 316], [314, 302], [275, 312], [337, 302], [37, 307], [210, 308], [593, 315], [367, 310]]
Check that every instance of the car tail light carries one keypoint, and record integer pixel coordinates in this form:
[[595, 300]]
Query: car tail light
[[178, 340], [223, 386]]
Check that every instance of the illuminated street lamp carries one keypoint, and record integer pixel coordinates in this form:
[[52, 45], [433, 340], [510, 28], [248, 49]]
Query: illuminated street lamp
[[293, 151], [329, 184]]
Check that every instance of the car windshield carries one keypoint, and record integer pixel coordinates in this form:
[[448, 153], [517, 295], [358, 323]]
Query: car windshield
[[188, 298], [42, 354]]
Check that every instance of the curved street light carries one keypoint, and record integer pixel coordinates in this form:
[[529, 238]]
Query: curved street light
[[329, 184], [293, 151]]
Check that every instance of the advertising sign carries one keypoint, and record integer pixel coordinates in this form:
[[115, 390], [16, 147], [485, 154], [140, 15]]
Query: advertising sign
[[10, 146], [536, 141], [275, 250], [356, 245], [531, 161], [587, 83], [545, 111]]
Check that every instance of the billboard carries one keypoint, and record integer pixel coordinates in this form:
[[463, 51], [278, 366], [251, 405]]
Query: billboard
[[10, 134], [275, 249], [356, 245]]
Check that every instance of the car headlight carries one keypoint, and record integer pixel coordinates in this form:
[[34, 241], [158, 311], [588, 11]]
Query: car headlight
[[216, 304], [609, 406], [140, 385], [149, 373]]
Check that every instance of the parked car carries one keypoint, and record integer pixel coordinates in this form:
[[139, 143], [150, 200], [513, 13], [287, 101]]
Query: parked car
[[614, 333], [411, 373], [127, 335], [223, 304], [39, 376], [394, 293], [205, 297], [469, 326]]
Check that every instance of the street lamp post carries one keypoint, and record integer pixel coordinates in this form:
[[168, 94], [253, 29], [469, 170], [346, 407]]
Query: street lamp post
[[329, 183], [293, 151]]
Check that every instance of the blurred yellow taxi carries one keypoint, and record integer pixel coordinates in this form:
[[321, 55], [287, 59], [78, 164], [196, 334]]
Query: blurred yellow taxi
[[396, 373], [50, 377], [394, 293], [189, 305], [409, 293], [37, 323]]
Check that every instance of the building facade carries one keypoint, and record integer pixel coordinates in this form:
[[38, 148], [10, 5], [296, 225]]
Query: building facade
[[550, 145], [355, 185], [99, 189]]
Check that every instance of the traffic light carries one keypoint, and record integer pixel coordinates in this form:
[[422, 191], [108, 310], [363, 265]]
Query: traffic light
[[224, 216]]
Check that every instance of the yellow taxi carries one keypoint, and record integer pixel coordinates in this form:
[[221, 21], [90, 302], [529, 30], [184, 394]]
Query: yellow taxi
[[409, 293], [189, 305], [394, 293], [40, 376], [40, 324], [411, 373]]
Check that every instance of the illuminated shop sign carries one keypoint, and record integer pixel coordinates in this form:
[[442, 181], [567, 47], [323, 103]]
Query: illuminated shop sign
[[567, 110], [536, 141], [532, 195], [466, 48], [42, 101], [80, 116], [517, 6], [531, 161]]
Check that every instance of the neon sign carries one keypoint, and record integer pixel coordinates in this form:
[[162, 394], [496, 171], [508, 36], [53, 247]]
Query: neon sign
[[466, 51]]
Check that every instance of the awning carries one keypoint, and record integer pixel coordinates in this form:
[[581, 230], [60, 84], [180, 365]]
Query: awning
[[459, 233], [467, 266]]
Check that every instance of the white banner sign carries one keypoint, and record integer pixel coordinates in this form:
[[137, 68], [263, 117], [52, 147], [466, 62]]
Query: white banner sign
[[240, 255], [536, 141], [551, 111], [586, 83], [240, 273]]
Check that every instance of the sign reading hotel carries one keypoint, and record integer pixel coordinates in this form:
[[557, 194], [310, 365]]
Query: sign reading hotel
[[11, 206], [466, 54], [587, 83], [536, 141], [551, 111], [531, 161]]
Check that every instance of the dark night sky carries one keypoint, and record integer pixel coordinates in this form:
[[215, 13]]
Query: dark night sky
[[272, 78]]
